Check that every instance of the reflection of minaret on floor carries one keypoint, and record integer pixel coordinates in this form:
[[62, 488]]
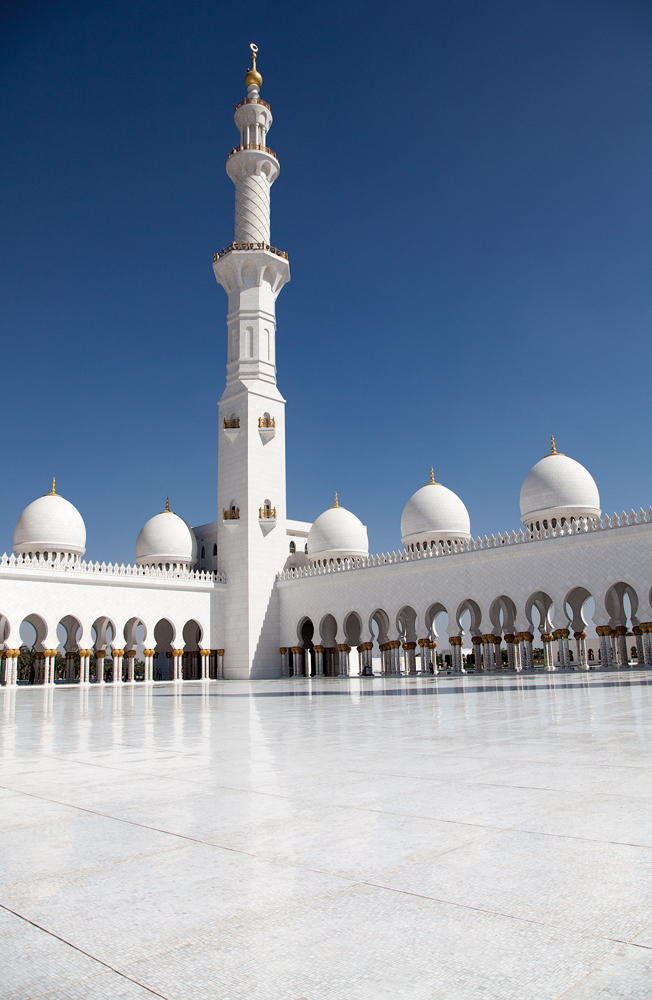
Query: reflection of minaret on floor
[[252, 546]]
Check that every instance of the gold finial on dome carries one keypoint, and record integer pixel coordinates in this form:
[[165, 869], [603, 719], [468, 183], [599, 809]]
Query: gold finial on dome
[[432, 476], [253, 76], [53, 492], [336, 504], [167, 505], [553, 447]]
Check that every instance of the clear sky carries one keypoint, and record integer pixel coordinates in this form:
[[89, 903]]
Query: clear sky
[[465, 196]]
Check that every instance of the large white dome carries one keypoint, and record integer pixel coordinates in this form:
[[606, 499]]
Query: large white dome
[[50, 524], [337, 534], [558, 488], [166, 540], [434, 514]]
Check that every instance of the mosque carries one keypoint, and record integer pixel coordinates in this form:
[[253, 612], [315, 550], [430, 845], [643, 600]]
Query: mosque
[[259, 595]]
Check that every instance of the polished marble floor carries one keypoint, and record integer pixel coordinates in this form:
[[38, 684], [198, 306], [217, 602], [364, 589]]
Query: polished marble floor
[[466, 839]]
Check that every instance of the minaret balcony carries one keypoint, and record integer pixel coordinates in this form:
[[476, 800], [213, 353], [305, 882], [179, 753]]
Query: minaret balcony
[[266, 518], [250, 246], [253, 100], [266, 427], [231, 428], [253, 145], [232, 514]]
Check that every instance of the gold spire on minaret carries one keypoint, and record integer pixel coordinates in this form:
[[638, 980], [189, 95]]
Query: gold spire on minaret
[[253, 76]]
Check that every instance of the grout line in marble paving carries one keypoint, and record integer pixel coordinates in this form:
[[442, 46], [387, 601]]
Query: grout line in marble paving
[[352, 881], [44, 930]]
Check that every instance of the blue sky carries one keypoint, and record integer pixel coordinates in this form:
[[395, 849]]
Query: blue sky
[[465, 198]]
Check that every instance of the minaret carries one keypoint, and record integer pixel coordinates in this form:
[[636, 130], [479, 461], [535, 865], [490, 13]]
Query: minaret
[[251, 534]]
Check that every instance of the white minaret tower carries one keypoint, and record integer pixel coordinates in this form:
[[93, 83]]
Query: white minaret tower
[[251, 533]]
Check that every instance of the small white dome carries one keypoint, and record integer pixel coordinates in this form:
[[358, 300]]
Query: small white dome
[[50, 524], [166, 540], [434, 514], [558, 488], [337, 534]]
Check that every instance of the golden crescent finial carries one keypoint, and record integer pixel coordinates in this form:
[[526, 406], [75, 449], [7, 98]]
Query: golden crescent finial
[[167, 505], [253, 76], [432, 476], [336, 504], [53, 492], [553, 450]]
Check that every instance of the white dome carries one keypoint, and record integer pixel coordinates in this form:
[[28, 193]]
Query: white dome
[[434, 514], [166, 540], [558, 487], [50, 524], [337, 534]]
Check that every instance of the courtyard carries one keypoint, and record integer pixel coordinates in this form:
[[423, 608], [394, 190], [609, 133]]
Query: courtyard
[[357, 838]]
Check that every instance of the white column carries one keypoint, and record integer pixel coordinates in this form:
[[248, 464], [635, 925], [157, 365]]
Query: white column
[[319, 661], [297, 661], [456, 654], [477, 653], [498, 652], [528, 655], [646, 628], [205, 656], [177, 664], [11, 667], [410, 657], [130, 656], [343, 649], [580, 644], [621, 645], [149, 655], [84, 665], [511, 656], [99, 665], [118, 655], [604, 634], [50, 656], [548, 659], [489, 661]]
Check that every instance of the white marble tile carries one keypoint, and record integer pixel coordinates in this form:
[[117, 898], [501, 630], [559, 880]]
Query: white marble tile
[[461, 839]]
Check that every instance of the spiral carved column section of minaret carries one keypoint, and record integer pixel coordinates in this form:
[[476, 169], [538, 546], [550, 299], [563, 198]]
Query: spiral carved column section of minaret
[[252, 209]]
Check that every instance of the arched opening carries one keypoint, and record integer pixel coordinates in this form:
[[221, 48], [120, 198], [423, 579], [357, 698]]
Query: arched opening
[[621, 604], [104, 631], [306, 633], [406, 624], [192, 636], [33, 632], [67, 666], [135, 634], [502, 614], [164, 637], [328, 632]]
